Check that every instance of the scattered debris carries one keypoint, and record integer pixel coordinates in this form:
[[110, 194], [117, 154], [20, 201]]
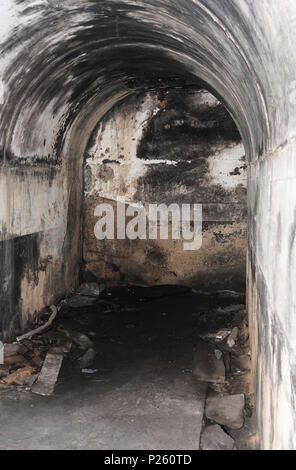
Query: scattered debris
[[37, 360], [206, 366], [48, 376], [246, 438], [244, 331], [201, 292], [20, 376], [226, 410], [91, 289], [13, 349], [89, 371], [231, 308], [229, 294], [78, 301], [16, 360], [4, 371], [63, 347], [221, 355], [221, 335], [242, 363], [80, 339], [214, 438], [87, 359], [218, 354], [231, 340], [41, 328], [216, 337]]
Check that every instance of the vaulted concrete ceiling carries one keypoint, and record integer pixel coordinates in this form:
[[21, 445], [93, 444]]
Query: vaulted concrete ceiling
[[70, 60]]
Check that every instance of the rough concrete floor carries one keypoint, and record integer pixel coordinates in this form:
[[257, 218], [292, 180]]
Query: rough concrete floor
[[143, 395]]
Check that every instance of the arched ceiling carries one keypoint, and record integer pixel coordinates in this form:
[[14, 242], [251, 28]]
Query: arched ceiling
[[70, 60]]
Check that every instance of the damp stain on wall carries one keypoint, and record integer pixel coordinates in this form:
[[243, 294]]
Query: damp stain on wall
[[172, 146]]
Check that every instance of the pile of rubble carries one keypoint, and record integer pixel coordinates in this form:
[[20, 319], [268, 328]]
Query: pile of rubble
[[220, 358], [34, 361]]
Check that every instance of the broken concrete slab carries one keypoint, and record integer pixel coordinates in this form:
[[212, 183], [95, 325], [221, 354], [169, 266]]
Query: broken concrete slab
[[227, 410], [20, 375], [206, 366], [214, 438], [91, 289], [48, 376], [12, 349]]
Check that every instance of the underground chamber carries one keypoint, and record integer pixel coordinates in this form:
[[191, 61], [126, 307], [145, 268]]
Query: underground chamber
[[138, 104]]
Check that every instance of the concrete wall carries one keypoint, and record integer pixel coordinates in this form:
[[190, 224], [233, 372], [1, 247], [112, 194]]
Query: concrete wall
[[271, 293], [172, 147], [34, 214]]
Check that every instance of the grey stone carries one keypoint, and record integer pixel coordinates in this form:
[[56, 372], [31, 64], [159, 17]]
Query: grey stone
[[227, 410], [214, 438], [87, 359], [63, 347], [83, 341], [92, 289], [206, 366]]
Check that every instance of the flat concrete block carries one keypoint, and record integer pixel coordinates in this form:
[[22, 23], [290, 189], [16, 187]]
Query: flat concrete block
[[214, 438], [226, 410]]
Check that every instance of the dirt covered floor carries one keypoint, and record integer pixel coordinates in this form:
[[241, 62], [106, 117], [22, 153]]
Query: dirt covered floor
[[132, 368]]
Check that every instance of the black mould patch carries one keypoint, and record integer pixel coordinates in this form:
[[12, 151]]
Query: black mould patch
[[19, 258], [112, 46], [193, 129], [111, 161]]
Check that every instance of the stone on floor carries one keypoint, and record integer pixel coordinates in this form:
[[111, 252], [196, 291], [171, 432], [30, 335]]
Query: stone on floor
[[227, 410], [91, 289], [206, 365], [242, 363], [78, 301], [214, 438]]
